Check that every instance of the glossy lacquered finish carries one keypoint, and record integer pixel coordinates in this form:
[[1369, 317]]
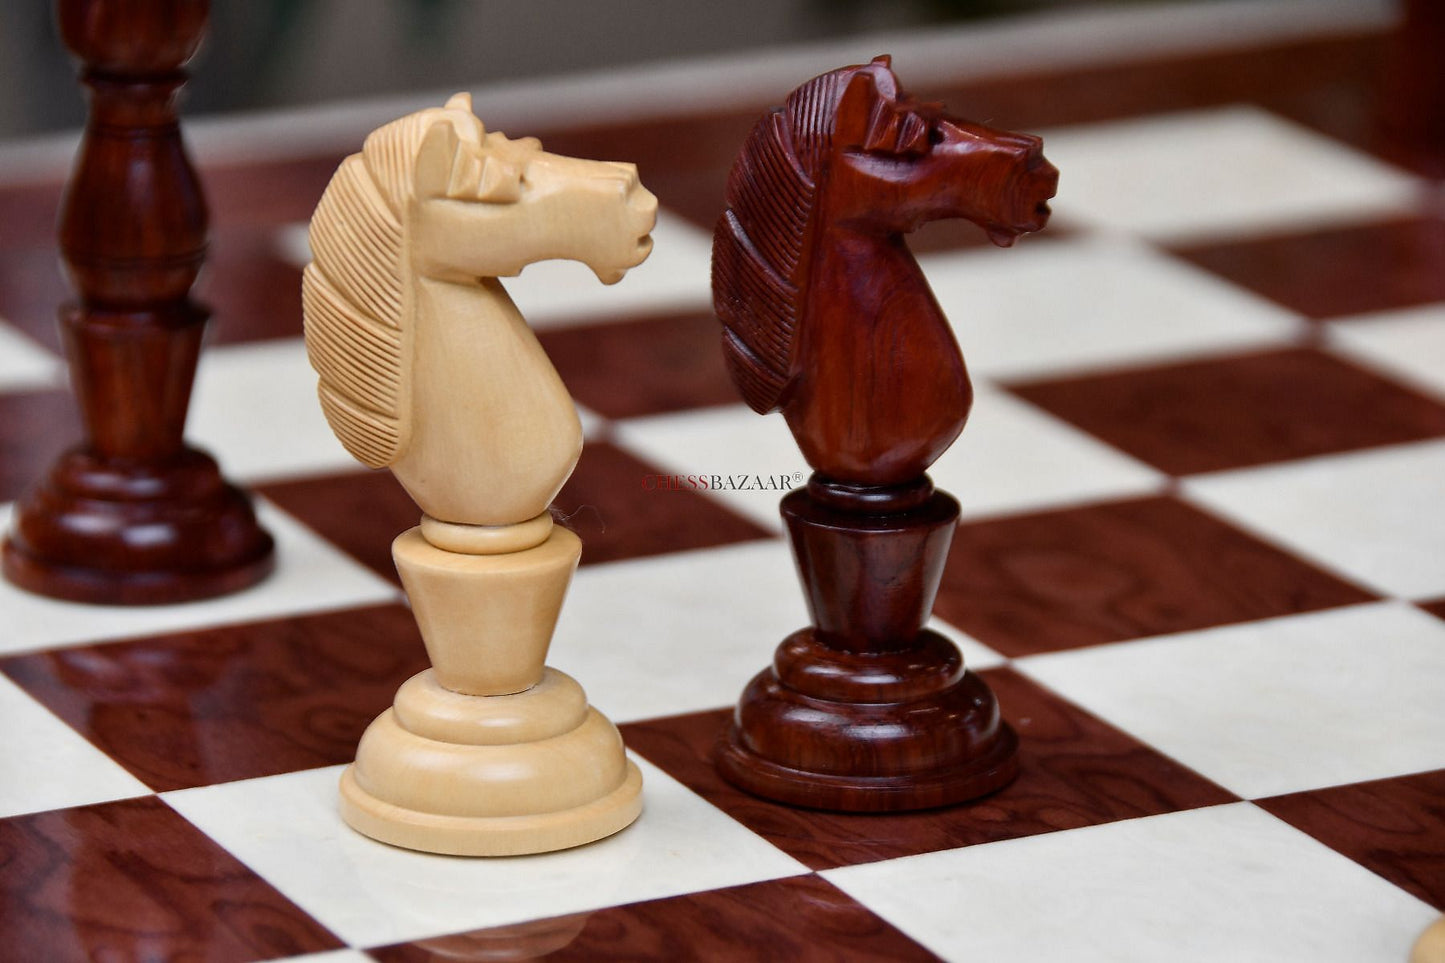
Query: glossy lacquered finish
[[1219, 414], [803, 918], [869, 711], [78, 887], [237, 689], [1133, 569], [1074, 770], [828, 319], [132, 515]]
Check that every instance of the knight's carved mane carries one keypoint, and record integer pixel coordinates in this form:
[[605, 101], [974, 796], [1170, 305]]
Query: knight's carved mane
[[763, 239], [354, 292]]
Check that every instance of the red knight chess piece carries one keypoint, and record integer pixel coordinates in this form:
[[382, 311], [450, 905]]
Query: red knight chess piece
[[828, 318]]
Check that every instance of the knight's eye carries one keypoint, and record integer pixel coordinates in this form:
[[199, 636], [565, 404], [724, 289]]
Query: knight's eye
[[935, 135]]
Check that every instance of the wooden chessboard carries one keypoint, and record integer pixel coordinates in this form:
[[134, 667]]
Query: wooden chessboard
[[1202, 564]]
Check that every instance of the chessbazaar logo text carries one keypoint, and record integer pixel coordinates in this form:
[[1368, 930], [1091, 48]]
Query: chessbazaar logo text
[[722, 483]]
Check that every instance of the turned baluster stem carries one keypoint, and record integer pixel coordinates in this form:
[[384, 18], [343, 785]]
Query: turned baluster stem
[[132, 515]]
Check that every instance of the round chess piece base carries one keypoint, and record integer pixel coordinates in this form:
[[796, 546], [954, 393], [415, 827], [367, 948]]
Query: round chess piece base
[[136, 533], [875, 732], [530, 772], [1430, 947]]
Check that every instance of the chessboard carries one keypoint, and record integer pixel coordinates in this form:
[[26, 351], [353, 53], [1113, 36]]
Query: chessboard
[[1201, 562]]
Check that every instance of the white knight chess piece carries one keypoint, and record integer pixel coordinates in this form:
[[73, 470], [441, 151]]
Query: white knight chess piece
[[427, 368]]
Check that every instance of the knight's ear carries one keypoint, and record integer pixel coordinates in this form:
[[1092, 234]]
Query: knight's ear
[[885, 59], [433, 171], [460, 101], [855, 111]]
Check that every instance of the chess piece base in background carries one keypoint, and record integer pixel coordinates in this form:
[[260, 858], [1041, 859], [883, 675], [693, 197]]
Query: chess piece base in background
[[135, 534], [133, 516]]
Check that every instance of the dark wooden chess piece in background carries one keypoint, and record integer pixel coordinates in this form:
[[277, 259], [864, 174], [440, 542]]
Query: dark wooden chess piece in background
[[1411, 113], [828, 318], [132, 515]]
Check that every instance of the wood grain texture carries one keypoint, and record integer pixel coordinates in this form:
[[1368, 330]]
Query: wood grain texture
[[234, 702], [1239, 411], [360, 512], [1394, 827], [487, 616], [1328, 83], [827, 318], [132, 515], [1378, 265], [869, 576], [674, 356], [802, 918], [489, 753], [427, 368], [867, 711], [815, 287], [613, 502], [607, 502], [1075, 771], [132, 880], [1121, 570], [253, 293]]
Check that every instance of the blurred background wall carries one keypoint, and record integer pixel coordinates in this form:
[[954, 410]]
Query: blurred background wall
[[264, 53]]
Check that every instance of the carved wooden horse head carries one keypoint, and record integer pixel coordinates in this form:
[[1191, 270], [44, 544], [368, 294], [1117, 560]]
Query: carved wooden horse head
[[405, 241], [826, 315]]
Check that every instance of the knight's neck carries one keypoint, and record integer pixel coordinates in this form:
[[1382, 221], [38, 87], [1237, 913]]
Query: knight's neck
[[883, 390], [862, 269], [494, 432]]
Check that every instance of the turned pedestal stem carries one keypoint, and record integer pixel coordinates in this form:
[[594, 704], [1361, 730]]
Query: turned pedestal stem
[[131, 514], [489, 753], [828, 319], [867, 710], [427, 368]]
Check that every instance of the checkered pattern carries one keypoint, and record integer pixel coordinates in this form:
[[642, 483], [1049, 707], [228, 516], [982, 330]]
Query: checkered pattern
[[1202, 563]]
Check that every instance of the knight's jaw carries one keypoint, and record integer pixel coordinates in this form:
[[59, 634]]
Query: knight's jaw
[[611, 274], [1029, 204], [1002, 236]]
